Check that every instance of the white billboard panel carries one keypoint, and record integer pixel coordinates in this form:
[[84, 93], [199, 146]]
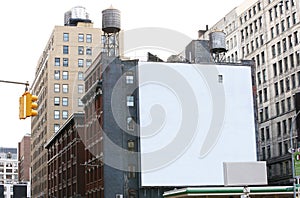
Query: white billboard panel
[[192, 119], [245, 173]]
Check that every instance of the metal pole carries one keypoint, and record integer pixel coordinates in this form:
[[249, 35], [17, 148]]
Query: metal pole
[[15, 82], [292, 149], [298, 186]]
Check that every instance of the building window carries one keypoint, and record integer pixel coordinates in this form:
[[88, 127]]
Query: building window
[[65, 101], [56, 127], [272, 32], [258, 78], [56, 88], [260, 22], [280, 66], [281, 8], [66, 36], [56, 101], [275, 11], [283, 106], [263, 57], [88, 38], [80, 89], [294, 18], [261, 115], [80, 63], [129, 79], [275, 69], [276, 89], [289, 104], [286, 65], [293, 79], [131, 171], [292, 61], [297, 54], [242, 35], [277, 29], [282, 26], [286, 5], [65, 88], [65, 49], [278, 47], [265, 94], [292, 3], [257, 60], [65, 75], [280, 151], [80, 50], [130, 124], [287, 83], [277, 108], [263, 154], [130, 101], [88, 62], [65, 114], [57, 61], [273, 51], [131, 145], [56, 114], [260, 96], [88, 50], [284, 126], [80, 103], [266, 113], [284, 45], [281, 87], [56, 74], [262, 134], [80, 37], [267, 133], [288, 22], [278, 129], [296, 38], [270, 15], [65, 62], [80, 76]]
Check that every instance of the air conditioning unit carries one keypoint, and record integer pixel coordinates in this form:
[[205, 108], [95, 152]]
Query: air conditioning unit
[[119, 196]]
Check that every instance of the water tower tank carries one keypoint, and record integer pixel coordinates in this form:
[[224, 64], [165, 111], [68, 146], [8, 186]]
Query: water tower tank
[[217, 42], [111, 20], [75, 15]]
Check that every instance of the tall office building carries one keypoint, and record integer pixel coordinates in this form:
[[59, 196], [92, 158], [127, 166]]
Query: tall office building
[[267, 31], [59, 85], [24, 159]]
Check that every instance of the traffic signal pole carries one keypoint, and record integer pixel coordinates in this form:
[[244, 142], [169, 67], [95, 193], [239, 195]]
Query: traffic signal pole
[[14, 82], [27, 102]]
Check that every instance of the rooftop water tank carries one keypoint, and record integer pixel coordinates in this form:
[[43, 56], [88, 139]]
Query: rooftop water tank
[[217, 42], [111, 20]]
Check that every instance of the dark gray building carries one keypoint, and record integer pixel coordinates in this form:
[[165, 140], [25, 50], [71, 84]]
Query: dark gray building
[[111, 113]]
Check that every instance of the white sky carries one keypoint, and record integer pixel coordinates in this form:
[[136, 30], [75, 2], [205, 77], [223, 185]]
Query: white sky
[[27, 25]]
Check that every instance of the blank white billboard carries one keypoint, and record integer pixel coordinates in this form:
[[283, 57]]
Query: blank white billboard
[[192, 119], [245, 173]]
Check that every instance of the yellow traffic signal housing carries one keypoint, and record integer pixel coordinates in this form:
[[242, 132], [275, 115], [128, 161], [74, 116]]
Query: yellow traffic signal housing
[[22, 110], [31, 104]]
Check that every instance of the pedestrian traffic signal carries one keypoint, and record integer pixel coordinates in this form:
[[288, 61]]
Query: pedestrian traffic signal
[[31, 104], [22, 110]]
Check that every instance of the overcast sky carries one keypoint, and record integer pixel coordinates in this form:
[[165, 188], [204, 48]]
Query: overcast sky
[[27, 25]]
